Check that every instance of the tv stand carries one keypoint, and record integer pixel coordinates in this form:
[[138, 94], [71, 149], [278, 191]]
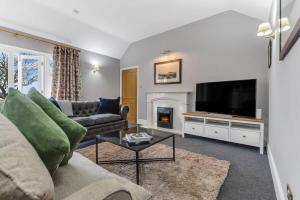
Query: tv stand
[[219, 115], [241, 130]]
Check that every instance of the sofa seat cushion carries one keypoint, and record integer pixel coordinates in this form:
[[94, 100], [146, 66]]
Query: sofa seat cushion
[[96, 119], [104, 118], [22, 173], [81, 172], [84, 121]]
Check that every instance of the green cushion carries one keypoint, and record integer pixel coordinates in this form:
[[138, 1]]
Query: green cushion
[[48, 139], [1, 103], [73, 130]]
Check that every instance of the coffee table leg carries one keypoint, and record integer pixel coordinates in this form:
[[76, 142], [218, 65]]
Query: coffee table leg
[[96, 150], [137, 167], [173, 147]]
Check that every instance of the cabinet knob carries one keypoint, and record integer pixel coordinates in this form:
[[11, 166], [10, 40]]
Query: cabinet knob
[[216, 132], [193, 128], [244, 136]]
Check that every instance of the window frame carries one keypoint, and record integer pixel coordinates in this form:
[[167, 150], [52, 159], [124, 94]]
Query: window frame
[[43, 58]]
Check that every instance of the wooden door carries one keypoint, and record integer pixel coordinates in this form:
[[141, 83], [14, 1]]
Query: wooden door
[[129, 93]]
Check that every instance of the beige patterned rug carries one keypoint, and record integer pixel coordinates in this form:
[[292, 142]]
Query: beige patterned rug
[[193, 176]]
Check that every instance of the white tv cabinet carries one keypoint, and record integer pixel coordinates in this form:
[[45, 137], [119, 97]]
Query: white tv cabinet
[[247, 131]]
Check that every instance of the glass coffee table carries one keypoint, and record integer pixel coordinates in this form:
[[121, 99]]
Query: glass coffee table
[[116, 138]]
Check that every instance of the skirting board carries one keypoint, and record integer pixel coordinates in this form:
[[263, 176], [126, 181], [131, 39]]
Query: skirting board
[[275, 176]]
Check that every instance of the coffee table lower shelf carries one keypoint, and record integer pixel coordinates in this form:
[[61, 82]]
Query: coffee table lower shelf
[[137, 161]]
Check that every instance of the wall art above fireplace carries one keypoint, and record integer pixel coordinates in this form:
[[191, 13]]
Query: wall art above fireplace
[[168, 72]]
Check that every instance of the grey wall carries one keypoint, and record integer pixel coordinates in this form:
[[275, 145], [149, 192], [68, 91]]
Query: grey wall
[[222, 47], [104, 83], [284, 135]]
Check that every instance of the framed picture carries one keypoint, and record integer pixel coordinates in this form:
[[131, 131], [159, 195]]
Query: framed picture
[[168, 72], [289, 24], [270, 54]]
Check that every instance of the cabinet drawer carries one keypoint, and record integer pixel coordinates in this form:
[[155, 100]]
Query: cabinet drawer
[[218, 133], [245, 137], [193, 128]]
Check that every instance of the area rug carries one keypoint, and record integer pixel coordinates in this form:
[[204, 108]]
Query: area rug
[[192, 176]]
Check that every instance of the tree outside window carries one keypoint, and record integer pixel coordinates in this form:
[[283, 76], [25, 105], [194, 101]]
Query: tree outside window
[[3, 74]]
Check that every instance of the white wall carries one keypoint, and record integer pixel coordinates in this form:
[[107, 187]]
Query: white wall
[[104, 83], [284, 116]]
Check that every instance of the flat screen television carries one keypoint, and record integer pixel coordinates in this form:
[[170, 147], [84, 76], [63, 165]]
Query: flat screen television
[[228, 97]]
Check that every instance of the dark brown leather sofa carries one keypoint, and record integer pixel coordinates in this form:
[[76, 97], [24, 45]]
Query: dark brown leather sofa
[[86, 114]]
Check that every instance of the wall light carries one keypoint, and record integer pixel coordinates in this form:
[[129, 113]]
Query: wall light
[[265, 30], [166, 52], [95, 68], [167, 55], [284, 24]]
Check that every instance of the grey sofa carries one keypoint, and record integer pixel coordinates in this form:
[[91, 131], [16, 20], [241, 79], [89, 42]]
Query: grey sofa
[[23, 175], [86, 114]]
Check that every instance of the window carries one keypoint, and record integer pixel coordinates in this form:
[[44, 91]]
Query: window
[[23, 69], [3, 74]]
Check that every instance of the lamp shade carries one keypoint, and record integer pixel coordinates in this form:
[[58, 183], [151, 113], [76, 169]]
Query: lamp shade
[[284, 24], [95, 68], [264, 30]]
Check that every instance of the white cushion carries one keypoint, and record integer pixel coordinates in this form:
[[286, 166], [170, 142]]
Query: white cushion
[[66, 107], [23, 176]]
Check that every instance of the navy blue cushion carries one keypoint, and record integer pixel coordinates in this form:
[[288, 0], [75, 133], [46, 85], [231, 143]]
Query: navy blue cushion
[[109, 106], [52, 100]]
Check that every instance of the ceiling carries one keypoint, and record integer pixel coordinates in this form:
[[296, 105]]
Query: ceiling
[[109, 26]]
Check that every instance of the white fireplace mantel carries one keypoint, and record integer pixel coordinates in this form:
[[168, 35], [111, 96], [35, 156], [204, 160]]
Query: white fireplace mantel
[[179, 101]]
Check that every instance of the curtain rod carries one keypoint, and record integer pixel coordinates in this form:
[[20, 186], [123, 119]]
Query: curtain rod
[[32, 37]]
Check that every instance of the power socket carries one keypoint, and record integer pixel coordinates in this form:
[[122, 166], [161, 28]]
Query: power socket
[[289, 192]]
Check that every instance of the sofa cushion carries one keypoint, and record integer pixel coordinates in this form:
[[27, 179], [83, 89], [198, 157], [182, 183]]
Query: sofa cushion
[[72, 129], [109, 106], [48, 139], [54, 102], [66, 107], [22, 173], [104, 118], [81, 172], [1, 103], [84, 121]]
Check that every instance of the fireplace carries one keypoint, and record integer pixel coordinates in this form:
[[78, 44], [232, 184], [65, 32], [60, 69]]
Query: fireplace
[[165, 117]]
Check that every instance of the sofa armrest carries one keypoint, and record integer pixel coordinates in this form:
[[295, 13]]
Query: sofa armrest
[[124, 111], [109, 189]]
